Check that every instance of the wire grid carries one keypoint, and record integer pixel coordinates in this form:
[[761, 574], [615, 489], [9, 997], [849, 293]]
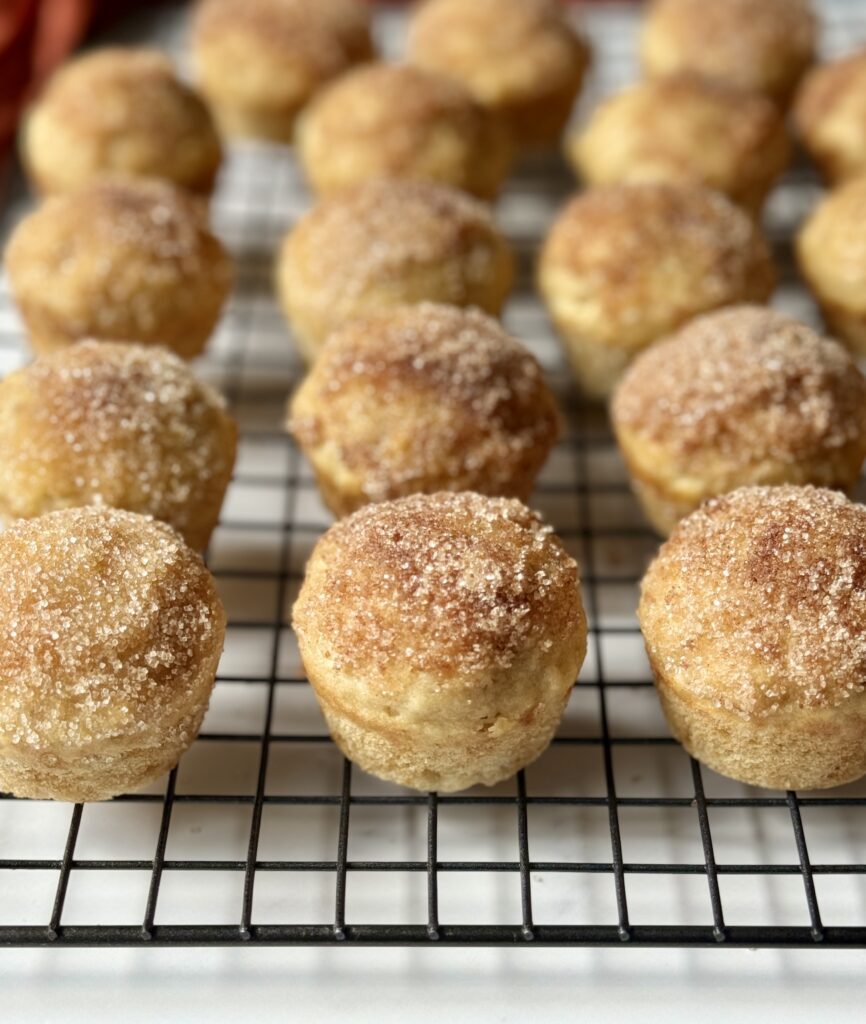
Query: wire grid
[[265, 834]]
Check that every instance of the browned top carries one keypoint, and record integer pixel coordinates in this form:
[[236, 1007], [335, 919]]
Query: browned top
[[330, 34], [757, 603], [106, 617], [453, 584], [472, 403], [747, 383], [825, 87]]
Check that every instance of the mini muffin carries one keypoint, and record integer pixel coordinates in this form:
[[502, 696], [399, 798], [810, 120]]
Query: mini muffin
[[625, 265], [388, 243], [754, 618], [685, 128], [259, 62], [442, 635], [742, 396], [831, 251], [420, 399], [104, 423], [762, 45], [522, 58], [120, 258], [830, 116], [119, 110], [112, 631], [395, 120]]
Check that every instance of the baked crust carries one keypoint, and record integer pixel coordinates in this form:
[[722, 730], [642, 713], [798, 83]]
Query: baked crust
[[128, 426], [421, 399], [830, 117], [685, 128], [112, 633], [119, 110], [761, 45], [456, 667], [522, 58], [386, 243], [260, 62], [745, 395], [400, 121], [754, 618], [119, 258], [624, 265]]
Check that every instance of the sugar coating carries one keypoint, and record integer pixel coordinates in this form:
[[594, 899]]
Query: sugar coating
[[107, 621], [757, 602], [471, 406], [748, 383], [116, 424], [452, 584]]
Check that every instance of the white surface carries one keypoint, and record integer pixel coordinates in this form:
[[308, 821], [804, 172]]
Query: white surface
[[260, 195]]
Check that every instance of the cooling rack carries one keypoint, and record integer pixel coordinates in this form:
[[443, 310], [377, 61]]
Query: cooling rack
[[264, 834]]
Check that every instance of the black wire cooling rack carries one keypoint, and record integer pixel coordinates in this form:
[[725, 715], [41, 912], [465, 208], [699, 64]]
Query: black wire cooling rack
[[265, 835]]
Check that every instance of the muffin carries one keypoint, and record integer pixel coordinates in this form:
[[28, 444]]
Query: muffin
[[742, 396], [104, 423], [685, 128], [754, 618], [259, 62], [399, 121], [831, 251], [389, 243], [761, 45], [120, 258], [423, 398], [442, 635], [119, 110], [112, 631], [624, 265], [830, 117], [522, 58]]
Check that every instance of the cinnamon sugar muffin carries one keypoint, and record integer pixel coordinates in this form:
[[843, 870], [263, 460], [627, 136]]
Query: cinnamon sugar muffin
[[112, 631], [104, 423], [442, 635], [119, 258], [388, 243], [624, 265], [761, 45], [754, 618], [400, 121], [684, 128], [830, 116], [742, 396], [522, 58], [260, 62], [831, 251], [119, 110], [420, 399]]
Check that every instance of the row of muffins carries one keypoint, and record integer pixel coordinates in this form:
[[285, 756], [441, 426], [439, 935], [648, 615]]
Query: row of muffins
[[463, 596]]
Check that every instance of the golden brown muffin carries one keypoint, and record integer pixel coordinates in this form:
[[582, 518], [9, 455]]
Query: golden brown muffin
[[105, 423], [830, 116], [120, 258], [442, 635], [420, 399], [399, 121], [389, 243], [831, 251], [119, 110], [112, 631], [260, 62], [685, 128], [522, 58], [624, 265], [762, 45], [754, 618], [742, 396]]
